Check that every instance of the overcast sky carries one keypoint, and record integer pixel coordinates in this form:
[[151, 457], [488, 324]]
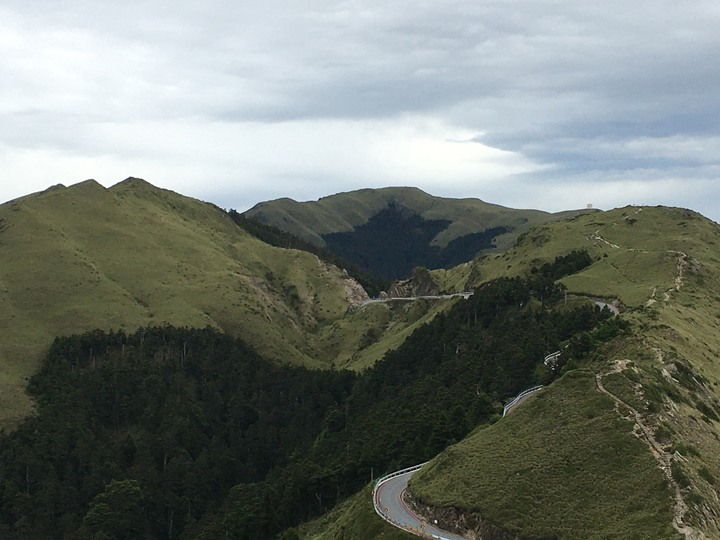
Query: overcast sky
[[548, 104]]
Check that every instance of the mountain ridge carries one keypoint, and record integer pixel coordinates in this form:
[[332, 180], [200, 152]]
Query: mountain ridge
[[133, 255], [87, 256], [661, 266], [434, 232], [357, 205]]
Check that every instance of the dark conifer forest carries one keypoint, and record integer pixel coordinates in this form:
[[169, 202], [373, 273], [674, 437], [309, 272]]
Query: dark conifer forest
[[188, 433], [396, 240]]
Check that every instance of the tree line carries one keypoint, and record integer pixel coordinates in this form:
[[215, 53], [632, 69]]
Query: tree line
[[189, 433]]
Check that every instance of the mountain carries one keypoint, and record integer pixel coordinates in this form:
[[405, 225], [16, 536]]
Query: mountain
[[190, 433], [625, 443], [85, 257], [390, 231], [173, 361]]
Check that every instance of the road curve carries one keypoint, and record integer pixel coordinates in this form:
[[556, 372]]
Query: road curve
[[522, 396], [389, 504], [388, 494]]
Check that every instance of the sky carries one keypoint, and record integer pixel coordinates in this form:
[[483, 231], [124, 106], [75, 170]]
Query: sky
[[549, 104]]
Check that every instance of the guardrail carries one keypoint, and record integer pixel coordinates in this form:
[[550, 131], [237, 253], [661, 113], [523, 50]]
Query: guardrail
[[552, 357], [396, 473], [382, 479], [409, 528], [519, 397], [403, 526]]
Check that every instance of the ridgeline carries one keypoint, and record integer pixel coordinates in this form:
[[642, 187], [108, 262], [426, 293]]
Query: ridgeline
[[191, 380]]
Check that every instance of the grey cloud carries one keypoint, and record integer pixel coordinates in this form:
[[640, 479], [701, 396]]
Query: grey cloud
[[572, 85]]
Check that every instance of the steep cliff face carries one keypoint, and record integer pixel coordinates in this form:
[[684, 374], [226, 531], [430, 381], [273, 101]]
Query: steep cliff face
[[354, 292], [421, 283]]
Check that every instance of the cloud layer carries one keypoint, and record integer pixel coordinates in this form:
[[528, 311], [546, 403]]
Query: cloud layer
[[550, 104]]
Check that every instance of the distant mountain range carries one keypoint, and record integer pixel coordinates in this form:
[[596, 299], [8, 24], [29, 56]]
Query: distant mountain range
[[390, 231]]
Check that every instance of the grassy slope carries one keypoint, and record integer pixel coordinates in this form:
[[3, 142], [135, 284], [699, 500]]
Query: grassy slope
[[633, 247], [84, 257], [344, 211], [366, 334], [674, 307], [355, 519], [564, 465], [636, 252]]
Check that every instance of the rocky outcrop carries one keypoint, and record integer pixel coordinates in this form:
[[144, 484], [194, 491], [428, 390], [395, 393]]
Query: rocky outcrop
[[469, 524], [421, 283], [354, 292]]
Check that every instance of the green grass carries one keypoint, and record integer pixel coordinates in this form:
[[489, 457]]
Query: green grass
[[643, 260], [355, 519], [619, 385], [392, 322], [86, 257], [564, 465], [344, 211]]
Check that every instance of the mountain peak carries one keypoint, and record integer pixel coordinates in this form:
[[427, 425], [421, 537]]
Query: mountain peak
[[85, 185], [134, 183], [56, 187]]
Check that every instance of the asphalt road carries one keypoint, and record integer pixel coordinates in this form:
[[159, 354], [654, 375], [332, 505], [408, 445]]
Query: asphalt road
[[389, 503], [412, 298], [520, 400], [388, 500]]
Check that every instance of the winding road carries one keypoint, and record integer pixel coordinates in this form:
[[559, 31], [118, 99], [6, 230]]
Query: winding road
[[389, 504], [388, 494], [364, 303]]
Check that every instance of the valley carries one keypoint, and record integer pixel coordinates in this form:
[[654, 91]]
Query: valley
[[87, 257]]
